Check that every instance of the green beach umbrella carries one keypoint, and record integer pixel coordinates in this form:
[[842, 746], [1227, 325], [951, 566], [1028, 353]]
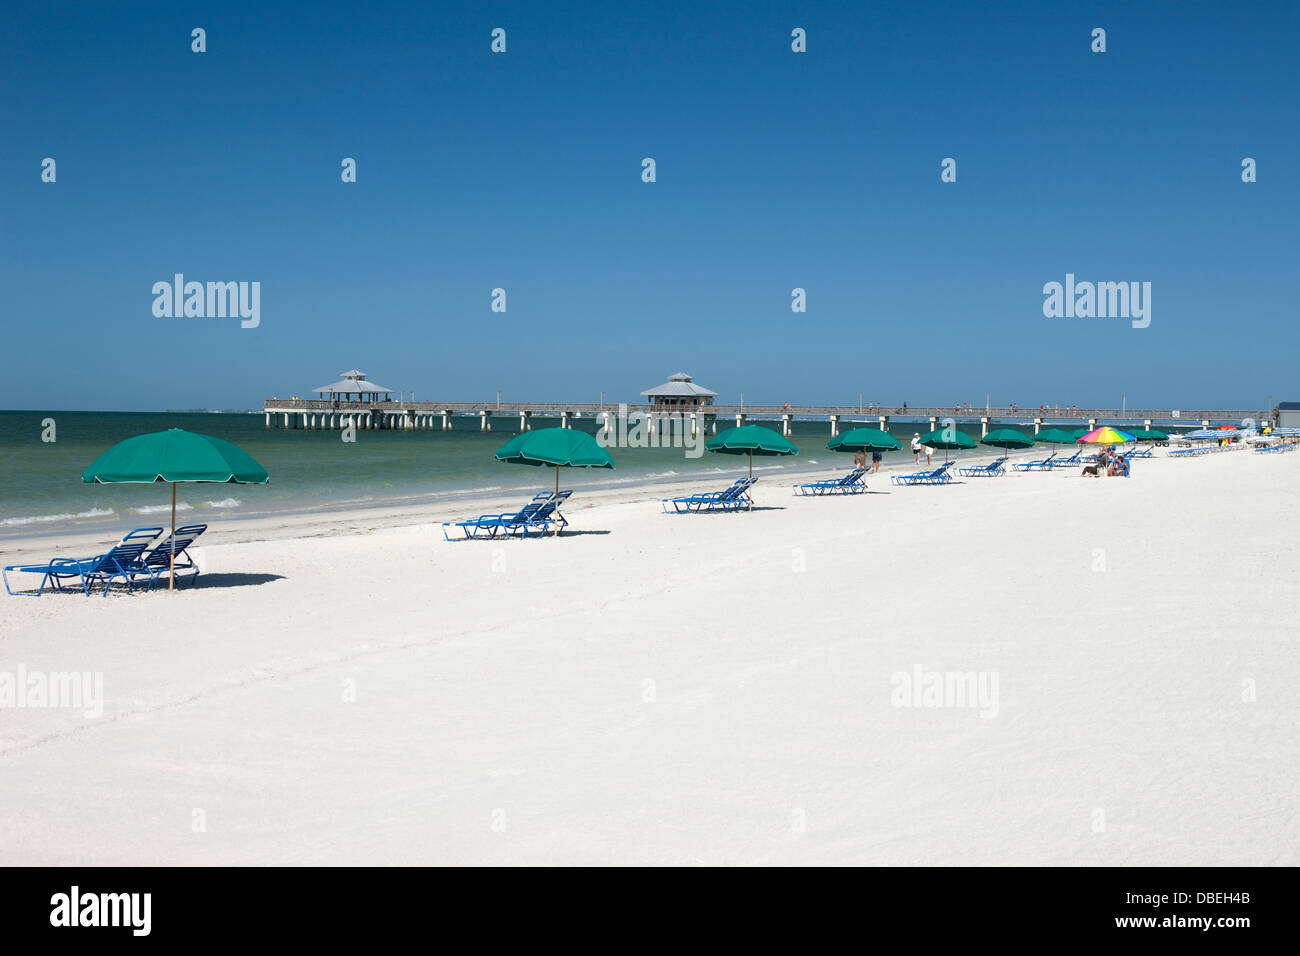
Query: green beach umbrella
[[1007, 438], [173, 456], [1076, 433], [863, 439], [946, 438], [751, 440], [557, 447], [1058, 436], [1149, 434]]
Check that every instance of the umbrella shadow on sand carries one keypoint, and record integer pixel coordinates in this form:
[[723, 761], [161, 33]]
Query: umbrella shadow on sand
[[567, 533], [232, 579]]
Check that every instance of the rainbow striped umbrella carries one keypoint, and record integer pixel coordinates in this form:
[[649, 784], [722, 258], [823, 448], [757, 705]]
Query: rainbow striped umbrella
[[1106, 435]]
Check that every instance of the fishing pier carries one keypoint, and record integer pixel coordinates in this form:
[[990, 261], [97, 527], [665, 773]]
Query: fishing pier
[[680, 402], [397, 415]]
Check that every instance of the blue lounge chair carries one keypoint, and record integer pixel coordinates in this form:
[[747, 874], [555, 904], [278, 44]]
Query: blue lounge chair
[[534, 514], [123, 561], [154, 564], [850, 484], [544, 519], [1142, 453], [991, 470], [490, 524], [1182, 452], [1073, 461], [729, 499], [1044, 464], [939, 476]]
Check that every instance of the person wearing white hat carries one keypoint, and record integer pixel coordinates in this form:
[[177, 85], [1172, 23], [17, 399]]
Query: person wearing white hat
[[916, 447]]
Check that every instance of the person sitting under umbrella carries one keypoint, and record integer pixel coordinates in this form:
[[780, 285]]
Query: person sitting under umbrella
[[1095, 469]]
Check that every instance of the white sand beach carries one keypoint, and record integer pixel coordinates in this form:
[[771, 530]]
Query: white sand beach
[[703, 689]]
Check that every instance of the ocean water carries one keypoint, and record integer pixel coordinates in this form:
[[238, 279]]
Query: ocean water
[[41, 490]]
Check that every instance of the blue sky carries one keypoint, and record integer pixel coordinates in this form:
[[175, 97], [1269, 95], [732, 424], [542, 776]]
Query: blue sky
[[775, 170]]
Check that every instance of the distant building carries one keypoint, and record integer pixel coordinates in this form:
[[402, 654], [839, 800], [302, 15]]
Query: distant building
[[1288, 414], [355, 388], [679, 390]]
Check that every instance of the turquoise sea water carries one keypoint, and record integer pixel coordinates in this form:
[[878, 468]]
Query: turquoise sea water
[[41, 489]]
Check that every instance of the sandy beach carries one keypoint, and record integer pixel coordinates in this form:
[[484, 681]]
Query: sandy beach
[[704, 689]]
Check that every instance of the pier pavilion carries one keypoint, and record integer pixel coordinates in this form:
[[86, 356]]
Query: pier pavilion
[[352, 384], [680, 391]]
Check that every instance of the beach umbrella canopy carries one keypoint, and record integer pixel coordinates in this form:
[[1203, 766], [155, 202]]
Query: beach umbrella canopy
[[1057, 436], [557, 447], [863, 439], [172, 456], [1007, 438], [1076, 433], [1105, 435], [1150, 434], [751, 440], [946, 438], [1202, 433]]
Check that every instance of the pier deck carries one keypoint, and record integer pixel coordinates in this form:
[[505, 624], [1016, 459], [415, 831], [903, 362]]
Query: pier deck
[[299, 413]]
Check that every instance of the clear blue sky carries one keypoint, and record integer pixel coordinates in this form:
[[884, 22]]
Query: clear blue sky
[[775, 170]]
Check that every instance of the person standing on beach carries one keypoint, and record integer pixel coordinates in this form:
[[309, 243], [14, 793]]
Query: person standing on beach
[[875, 462], [929, 452], [860, 459], [916, 447]]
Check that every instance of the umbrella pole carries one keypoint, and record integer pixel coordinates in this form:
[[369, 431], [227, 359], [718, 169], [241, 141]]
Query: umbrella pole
[[171, 558], [751, 475], [557, 494]]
